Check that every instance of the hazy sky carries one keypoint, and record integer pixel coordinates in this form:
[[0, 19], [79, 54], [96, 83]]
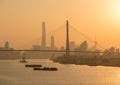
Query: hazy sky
[[20, 21]]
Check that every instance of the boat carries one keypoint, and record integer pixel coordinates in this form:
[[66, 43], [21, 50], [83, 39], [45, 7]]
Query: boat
[[23, 59], [33, 65], [46, 69]]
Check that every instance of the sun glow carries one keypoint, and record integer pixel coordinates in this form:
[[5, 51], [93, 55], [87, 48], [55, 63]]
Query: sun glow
[[115, 14], [116, 9]]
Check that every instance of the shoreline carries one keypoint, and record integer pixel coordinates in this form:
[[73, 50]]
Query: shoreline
[[94, 61]]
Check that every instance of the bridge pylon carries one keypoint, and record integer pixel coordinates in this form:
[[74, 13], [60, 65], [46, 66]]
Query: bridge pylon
[[67, 39]]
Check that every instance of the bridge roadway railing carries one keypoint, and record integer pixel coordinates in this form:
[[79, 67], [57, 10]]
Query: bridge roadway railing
[[55, 51]]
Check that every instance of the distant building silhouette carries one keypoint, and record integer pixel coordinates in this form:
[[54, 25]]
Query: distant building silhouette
[[72, 45], [43, 46], [109, 52], [117, 51], [6, 45], [62, 48], [36, 47], [52, 42], [83, 47], [43, 43], [8, 54]]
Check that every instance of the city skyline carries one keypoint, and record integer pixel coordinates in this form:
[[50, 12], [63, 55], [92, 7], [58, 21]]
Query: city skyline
[[44, 43], [21, 20]]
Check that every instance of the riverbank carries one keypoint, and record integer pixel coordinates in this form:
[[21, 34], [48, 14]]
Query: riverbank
[[89, 60]]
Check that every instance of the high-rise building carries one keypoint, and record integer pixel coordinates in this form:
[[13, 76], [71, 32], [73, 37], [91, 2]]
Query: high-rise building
[[83, 46], [43, 44], [6, 45], [52, 42], [72, 45]]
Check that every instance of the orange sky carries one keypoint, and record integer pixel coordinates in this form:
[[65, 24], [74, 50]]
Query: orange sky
[[20, 21]]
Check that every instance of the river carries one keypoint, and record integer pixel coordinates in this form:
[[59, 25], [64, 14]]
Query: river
[[14, 73]]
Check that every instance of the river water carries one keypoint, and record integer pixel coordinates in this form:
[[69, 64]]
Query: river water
[[14, 73]]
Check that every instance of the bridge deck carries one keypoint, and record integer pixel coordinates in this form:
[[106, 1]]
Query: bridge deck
[[55, 51]]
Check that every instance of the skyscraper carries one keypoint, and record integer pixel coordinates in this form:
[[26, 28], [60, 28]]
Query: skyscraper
[[72, 45], [6, 45], [43, 44], [52, 42]]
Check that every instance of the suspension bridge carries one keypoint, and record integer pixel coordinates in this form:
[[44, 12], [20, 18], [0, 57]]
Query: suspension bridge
[[67, 50]]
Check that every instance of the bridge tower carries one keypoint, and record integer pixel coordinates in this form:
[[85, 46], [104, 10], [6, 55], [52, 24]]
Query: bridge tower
[[67, 39]]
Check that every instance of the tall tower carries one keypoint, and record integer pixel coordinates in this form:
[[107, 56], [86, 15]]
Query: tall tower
[[52, 42], [43, 44]]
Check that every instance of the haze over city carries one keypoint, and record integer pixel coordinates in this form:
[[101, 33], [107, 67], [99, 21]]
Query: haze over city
[[20, 20], [59, 42]]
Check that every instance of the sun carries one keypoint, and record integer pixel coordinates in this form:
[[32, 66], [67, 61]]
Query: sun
[[115, 13], [116, 9]]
